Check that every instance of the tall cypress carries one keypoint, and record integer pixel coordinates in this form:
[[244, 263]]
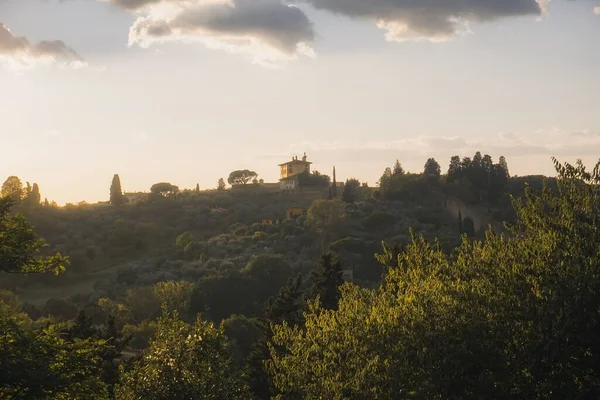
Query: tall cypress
[[36, 196], [334, 185], [326, 282], [286, 306], [116, 193]]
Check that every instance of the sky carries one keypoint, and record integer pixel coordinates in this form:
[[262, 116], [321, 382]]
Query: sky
[[186, 91]]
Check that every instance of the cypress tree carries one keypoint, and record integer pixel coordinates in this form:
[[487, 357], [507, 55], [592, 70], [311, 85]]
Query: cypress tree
[[82, 327], [326, 282], [286, 306], [36, 196], [197, 187], [116, 343], [116, 193], [334, 192]]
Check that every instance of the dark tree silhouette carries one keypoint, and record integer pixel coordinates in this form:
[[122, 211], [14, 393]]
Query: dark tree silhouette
[[116, 193]]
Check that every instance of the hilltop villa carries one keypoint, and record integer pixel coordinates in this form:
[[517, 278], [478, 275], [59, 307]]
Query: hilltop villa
[[290, 171]]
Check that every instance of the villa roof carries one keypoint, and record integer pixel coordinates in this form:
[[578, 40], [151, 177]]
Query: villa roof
[[295, 162]]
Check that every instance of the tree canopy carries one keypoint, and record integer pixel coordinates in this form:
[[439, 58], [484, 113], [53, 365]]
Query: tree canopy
[[184, 362], [497, 319], [116, 193], [164, 189], [20, 246], [241, 177], [13, 188]]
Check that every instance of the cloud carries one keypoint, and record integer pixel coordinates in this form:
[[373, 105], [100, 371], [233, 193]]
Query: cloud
[[434, 20], [553, 142], [19, 52], [272, 30], [53, 132], [269, 30]]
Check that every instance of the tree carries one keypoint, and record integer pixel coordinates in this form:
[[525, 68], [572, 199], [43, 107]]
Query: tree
[[13, 188], [33, 196], [326, 282], [495, 319], [285, 307], [504, 166], [184, 362], [197, 188], [164, 189], [468, 227], [221, 185], [82, 327], [33, 364], [385, 180], [116, 193], [20, 246], [350, 193], [174, 295], [116, 344], [325, 216], [455, 168], [432, 168], [477, 160], [272, 271], [241, 177], [334, 188], [43, 365], [398, 170]]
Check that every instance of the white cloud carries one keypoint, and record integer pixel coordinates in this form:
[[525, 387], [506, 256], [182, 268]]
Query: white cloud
[[53, 132], [268, 30], [272, 30], [19, 53], [553, 142]]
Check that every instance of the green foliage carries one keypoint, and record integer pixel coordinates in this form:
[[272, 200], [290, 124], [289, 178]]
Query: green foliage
[[243, 333], [286, 307], [325, 215], [432, 167], [512, 317], [116, 193], [241, 177], [185, 239], [351, 190], [13, 189], [326, 282], [20, 246], [315, 179], [183, 362], [398, 170], [82, 327], [164, 189], [271, 270], [221, 185], [32, 196], [174, 295], [42, 365], [478, 178]]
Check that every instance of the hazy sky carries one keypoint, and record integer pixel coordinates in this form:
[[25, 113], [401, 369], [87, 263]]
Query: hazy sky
[[186, 91]]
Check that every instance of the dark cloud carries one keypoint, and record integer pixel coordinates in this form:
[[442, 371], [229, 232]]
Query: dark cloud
[[19, 48], [132, 4], [429, 19], [237, 24]]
